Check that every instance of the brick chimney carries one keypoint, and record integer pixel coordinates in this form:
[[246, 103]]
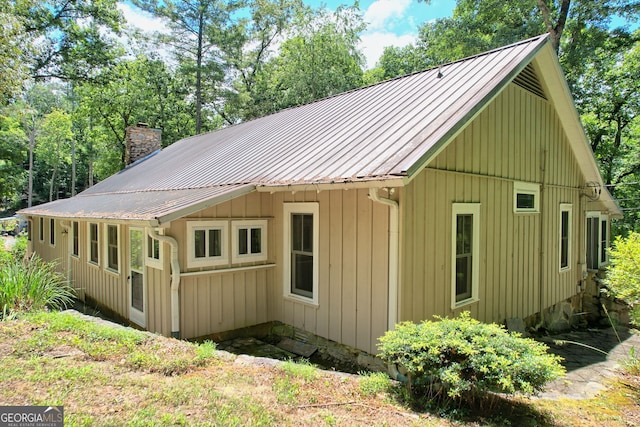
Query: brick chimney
[[141, 141]]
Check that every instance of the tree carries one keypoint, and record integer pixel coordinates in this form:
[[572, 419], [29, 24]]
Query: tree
[[623, 275], [13, 48], [12, 156], [53, 148], [72, 37], [197, 28]]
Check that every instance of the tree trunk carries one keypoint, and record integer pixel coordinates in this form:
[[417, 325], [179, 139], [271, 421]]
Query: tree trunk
[[32, 146], [199, 54]]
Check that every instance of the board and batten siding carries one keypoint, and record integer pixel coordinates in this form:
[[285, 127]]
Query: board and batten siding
[[353, 275], [516, 138], [109, 289]]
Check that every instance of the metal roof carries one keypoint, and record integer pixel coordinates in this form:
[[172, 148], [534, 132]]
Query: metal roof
[[380, 132]]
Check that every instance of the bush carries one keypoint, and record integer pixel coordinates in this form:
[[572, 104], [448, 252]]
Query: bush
[[462, 358], [623, 276], [31, 284]]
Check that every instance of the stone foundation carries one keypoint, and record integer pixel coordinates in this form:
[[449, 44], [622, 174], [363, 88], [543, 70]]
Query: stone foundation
[[601, 308]]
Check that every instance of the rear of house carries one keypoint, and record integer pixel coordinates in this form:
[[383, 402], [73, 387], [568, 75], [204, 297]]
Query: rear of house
[[469, 187]]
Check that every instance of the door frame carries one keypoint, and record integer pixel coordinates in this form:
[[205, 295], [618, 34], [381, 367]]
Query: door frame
[[135, 315]]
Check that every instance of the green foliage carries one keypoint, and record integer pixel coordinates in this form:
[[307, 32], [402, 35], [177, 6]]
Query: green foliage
[[623, 275], [372, 383], [301, 369], [461, 358], [31, 284]]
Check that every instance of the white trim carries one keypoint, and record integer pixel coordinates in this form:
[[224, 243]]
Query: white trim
[[95, 263], [41, 229], [526, 188], [139, 317], [207, 261], [236, 257], [152, 262], [601, 218], [227, 270], [52, 232], [474, 210], [77, 229], [312, 208], [106, 248], [565, 207]]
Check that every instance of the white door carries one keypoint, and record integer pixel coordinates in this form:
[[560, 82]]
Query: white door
[[137, 285]]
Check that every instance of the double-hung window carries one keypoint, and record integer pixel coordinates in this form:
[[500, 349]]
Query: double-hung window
[[75, 238], [52, 232], [565, 236], [301, 245], [154, 252], [113, 248], [465, 256], [41, 229], [94, 244], [249, 241], [207, 243]]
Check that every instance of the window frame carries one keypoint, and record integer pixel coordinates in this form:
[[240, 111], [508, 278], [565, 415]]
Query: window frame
[[303, 208], [207, 261], [107, 245], [150, 259], [29, 230], [75, 239], [41, 229], [90, 244], [568, 208], [472, 209], [526, 188], [52, 232], [236, 257], [602, 246]]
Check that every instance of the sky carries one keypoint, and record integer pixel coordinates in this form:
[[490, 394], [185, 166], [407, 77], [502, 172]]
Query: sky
[[389, 22]]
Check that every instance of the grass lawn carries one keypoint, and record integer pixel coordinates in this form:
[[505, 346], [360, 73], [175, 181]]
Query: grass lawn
[[116, 376]]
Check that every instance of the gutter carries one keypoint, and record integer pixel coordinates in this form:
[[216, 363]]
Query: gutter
[[394, 255], [175, 280]]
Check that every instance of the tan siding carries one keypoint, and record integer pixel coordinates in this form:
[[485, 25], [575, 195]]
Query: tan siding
[[505, 143]]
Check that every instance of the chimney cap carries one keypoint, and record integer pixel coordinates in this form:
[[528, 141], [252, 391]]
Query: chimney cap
[[142, 125]]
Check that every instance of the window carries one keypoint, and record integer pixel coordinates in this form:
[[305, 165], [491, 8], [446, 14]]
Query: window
[[249, 241], [565, 236], [301, 235], [41, 229], [52, 232], [29, 230], [207, 242], [154, 252], [597, 240], [75, 236], [112, 250], [465, 262], [93, 247], [526, 197]]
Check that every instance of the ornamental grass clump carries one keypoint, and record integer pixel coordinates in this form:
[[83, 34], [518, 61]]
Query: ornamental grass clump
[[462, 359], [31, 284]]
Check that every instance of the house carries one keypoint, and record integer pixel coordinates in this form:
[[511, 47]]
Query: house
[[466, 187]]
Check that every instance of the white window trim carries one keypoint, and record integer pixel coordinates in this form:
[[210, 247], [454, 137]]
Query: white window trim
[[72, 238], [89, 243], [151, 261], [52, 232], [565, 207], [236, 257], [526, 188], [223, 259], [106, 248], [300, 208], [601, 217], [466, 209], [41, 230]]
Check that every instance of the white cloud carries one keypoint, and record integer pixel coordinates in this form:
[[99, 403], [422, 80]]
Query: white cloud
[[381, 13], [372, 44], [140, 19]]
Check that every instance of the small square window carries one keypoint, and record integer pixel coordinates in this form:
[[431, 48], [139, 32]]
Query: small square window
[[207, 242], [250, 241], [154, 253], [526, 197]]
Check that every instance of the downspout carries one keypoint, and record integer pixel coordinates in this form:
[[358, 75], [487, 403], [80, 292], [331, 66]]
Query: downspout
[[394, 251], [175, 280], [541, 262]]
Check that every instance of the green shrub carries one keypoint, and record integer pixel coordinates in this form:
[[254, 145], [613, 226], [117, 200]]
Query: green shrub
[[623, 275], [462, 358], [31, 284]]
